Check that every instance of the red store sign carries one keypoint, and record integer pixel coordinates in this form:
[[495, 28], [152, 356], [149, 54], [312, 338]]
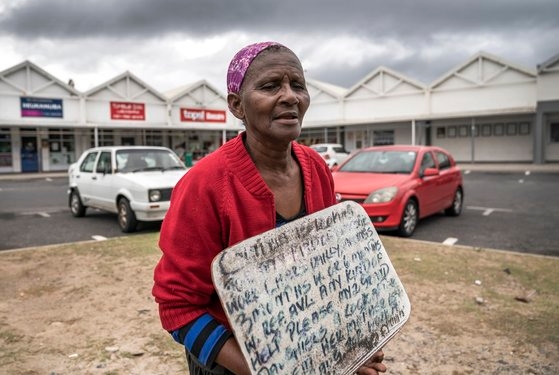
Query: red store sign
[[128, 111], [202, 115]]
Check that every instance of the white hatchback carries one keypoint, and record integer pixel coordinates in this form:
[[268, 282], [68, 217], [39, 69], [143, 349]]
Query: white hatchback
[[134, 182], [334, 154]]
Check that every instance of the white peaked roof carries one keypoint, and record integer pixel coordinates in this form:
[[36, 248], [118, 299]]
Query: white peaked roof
[[483, 69], [385, 82], [200, 92], [550, 65], [126, 86], [322, 90], [27, 78]]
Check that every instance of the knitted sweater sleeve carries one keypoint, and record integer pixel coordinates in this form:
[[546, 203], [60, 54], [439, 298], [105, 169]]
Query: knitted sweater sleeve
[[190, 238]]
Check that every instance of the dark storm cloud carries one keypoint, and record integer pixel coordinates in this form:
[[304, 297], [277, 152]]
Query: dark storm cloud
[[410, 19], [422, 39]]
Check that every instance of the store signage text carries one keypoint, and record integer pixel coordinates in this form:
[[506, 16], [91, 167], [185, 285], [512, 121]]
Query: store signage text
[[202, 115], [41, 107], [128, 111]]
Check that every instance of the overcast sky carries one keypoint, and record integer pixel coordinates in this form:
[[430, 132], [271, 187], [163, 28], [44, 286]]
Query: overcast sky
[[171, 43]]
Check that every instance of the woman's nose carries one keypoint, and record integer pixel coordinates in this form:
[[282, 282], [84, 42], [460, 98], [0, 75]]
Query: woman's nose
[[288, 95]]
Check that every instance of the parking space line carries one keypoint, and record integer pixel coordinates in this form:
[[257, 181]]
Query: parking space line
[[450, 241], [488, 210], [98, 238]]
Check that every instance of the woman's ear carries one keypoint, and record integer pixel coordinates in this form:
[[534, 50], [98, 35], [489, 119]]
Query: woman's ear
[[234, 103]]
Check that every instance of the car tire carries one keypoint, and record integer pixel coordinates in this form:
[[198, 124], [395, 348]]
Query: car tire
[[410, 217], [126, 217], [457, 203], [76, 206]]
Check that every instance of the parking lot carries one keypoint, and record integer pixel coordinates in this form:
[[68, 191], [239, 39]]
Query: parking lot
[[503, 209]]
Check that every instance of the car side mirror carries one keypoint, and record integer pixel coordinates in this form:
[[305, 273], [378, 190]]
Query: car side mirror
[[428, 172]]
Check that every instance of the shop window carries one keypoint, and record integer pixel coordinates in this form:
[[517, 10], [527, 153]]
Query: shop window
[[452, 132], [498, 129], [311, 136], [61, 148], [154, 138], [230, 134], [5, 148], [441, 132], [486, 130], [524, 128], [383, 137], [511, 128], [554, 127], [475, 129], [332, 136], [105, 137]]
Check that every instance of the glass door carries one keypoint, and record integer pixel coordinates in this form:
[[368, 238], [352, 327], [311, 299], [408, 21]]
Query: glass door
[[29, 154]]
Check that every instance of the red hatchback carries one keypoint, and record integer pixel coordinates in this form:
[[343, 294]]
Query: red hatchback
[[398, 185]]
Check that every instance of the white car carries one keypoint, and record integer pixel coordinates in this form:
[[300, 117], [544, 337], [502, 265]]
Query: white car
[[134, 182], [334, 154]]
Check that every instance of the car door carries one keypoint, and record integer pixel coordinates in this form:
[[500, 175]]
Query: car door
[[103, 181], [84, 178], [447, 179], [428, 188]]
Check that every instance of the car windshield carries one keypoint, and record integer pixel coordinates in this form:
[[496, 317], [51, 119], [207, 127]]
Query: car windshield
[[135, 160], [379, 161], [319, 148]]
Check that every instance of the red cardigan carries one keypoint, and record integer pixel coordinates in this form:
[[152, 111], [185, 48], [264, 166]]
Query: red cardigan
[[221, 201]]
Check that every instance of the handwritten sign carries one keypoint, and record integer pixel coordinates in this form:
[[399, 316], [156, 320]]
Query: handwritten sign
[[318, 295]]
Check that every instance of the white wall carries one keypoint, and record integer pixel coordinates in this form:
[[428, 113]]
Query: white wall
[[491, 99], [548, 86], [385, 107]]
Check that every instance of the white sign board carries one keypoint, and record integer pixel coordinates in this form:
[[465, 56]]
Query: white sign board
[[318, 295]]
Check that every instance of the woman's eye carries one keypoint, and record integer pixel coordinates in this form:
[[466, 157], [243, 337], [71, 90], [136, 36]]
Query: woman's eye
[[269, 86]]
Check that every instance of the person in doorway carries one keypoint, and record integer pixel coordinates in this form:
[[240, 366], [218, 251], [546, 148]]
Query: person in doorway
[[257, 181]]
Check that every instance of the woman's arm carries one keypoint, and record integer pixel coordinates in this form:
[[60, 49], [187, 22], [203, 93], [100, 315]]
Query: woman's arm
[[231, 357]]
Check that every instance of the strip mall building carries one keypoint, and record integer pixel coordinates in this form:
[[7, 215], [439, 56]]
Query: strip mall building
[[485, 110]]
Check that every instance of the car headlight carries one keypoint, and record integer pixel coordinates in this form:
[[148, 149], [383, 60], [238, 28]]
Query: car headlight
[[154, 195], [382, 195]]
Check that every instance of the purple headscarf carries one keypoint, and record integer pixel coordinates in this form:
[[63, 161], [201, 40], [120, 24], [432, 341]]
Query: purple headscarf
[[240, 63]]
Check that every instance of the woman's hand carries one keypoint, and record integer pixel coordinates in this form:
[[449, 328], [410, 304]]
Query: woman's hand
[[373, 365]]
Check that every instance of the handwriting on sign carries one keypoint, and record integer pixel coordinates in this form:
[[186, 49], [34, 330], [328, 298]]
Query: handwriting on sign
[[317, 296]]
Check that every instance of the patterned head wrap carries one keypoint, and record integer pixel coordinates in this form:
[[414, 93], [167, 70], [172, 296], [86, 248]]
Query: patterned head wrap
[[240, 63]]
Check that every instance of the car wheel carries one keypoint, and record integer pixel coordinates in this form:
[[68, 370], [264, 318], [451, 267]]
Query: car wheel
[[126, 217], [457, 203], [76, 205], [409, 219]]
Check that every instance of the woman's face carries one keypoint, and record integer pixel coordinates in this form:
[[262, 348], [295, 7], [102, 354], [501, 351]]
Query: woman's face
[[273, 98]]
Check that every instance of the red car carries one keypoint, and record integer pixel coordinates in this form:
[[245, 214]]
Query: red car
[[398, 185]]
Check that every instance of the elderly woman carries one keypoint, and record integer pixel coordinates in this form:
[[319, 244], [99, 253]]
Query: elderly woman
[[257, 181]]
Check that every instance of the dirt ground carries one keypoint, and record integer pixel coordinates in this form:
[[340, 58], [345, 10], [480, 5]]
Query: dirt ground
[[88, 309]]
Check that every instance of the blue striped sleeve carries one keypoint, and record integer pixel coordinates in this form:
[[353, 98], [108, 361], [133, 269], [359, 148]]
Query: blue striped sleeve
[[203, 337]]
